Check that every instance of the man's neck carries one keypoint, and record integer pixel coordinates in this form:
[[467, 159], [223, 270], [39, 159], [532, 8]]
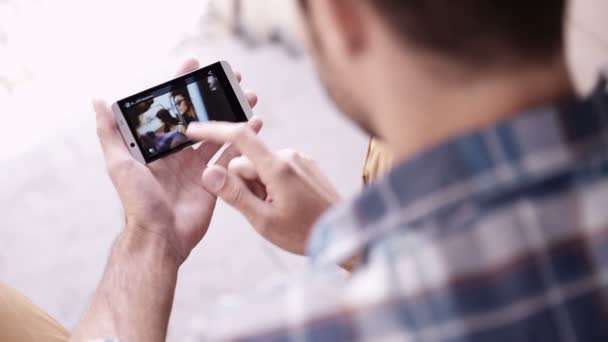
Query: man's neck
[[426, 114]]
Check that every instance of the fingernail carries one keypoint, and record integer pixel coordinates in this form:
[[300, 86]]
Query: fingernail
[[214, 179]]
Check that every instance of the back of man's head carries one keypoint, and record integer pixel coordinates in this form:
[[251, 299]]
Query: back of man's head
[[479, 32], [473, 31], [366, 48]]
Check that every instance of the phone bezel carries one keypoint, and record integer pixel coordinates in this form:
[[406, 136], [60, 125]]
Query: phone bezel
[[234, 92]]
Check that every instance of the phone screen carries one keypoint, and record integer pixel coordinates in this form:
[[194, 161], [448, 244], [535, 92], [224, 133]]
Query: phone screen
[[158, 117]]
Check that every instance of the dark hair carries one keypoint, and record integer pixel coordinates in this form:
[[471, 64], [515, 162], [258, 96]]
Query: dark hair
[[167, 119], [180, 92], [479, 32]]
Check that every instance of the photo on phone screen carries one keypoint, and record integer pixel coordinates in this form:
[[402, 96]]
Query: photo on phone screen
[[159, 117]]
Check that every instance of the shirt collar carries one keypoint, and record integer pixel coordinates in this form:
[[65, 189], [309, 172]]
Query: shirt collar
[[529, 145]]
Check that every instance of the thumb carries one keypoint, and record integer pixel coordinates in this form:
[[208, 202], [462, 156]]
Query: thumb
[[233, 190], [111, 141]]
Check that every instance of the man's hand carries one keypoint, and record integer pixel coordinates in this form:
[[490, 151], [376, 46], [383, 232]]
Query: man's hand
[[167, 211], [281, 194], [166, 198]]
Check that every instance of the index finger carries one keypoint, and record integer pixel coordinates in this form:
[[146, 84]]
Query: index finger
[[241, 137]]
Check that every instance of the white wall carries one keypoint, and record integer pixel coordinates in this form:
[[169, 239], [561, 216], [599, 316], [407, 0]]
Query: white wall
[[262, 16], [588, 40]]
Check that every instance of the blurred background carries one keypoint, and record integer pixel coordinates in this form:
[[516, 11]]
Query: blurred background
[[59, 213]]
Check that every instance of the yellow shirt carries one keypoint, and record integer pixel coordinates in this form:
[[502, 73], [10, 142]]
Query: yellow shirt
[[378, 162]]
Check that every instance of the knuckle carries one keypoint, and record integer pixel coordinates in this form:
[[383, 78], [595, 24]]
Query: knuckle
[[240, 167], [290, 155], [101, 131], [234, 164], [308, 159], [120, 165], [241, 131], [283, 168], [234, 194], [105, 127]]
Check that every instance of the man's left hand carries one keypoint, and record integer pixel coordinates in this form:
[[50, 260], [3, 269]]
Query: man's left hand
[[165, 198]]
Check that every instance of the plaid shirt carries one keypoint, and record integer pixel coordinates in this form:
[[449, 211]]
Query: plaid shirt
[[499, 235]]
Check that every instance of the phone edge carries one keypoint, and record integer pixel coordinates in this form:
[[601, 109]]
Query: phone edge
[[126, 134], [236, 87]]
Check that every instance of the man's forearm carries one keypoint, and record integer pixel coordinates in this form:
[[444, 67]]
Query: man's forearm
[[133, 301]]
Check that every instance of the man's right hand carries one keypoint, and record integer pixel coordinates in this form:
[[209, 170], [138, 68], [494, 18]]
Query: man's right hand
[[281, 194]]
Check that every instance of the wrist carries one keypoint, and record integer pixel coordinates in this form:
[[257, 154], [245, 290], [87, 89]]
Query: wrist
[[148, 246], [134, 300]]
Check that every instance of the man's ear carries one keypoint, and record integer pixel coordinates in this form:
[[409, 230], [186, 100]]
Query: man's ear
[[341, 24]]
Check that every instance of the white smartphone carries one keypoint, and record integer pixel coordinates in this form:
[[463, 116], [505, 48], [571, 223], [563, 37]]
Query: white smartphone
[[153, 122]]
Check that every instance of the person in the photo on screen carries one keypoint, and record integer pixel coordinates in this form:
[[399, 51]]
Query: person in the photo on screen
[[212, 82], [172, 132], [217, 104], [184, 106], [170, 123]]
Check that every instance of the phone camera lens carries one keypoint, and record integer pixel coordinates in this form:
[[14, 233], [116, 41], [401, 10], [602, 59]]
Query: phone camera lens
[[132, 145]]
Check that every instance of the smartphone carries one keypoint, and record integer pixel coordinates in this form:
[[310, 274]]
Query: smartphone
[[153, 122]]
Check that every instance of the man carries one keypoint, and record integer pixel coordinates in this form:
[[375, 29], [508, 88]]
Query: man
[[184, 106], [492, 226]]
